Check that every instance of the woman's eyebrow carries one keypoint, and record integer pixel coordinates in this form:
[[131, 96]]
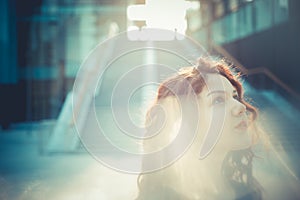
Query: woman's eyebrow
[[216, 91]]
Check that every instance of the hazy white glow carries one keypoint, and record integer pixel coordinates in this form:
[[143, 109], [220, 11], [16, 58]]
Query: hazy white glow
[[193, 5], [148, 34], [136, 12], [133, 33], [162, 14], [132, 28]]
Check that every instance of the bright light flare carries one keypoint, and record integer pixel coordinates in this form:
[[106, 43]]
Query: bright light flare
[[162, 14], [137, 12]]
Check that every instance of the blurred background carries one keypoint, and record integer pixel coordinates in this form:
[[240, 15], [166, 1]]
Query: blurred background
[[44, 42]]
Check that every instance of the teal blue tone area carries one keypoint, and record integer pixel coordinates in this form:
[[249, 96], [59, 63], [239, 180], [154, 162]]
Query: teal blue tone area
[[38, 73], [8, 47]]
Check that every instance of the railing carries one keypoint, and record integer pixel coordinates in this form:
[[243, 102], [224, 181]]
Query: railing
[[258, 70]]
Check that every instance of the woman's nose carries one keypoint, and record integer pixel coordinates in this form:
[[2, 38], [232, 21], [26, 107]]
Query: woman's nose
[[238, 109]]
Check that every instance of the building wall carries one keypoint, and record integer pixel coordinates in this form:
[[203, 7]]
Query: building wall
[[43, 43]]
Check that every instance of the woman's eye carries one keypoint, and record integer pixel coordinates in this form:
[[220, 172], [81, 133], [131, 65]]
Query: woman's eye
[[218, 100]]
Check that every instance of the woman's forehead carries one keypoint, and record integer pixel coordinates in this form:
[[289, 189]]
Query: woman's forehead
[[217, 82]]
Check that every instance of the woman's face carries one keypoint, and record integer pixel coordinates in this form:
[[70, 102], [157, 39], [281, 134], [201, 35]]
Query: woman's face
[[223, 117]]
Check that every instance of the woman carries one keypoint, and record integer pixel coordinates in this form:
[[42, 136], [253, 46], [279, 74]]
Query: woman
[[205, 100]]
